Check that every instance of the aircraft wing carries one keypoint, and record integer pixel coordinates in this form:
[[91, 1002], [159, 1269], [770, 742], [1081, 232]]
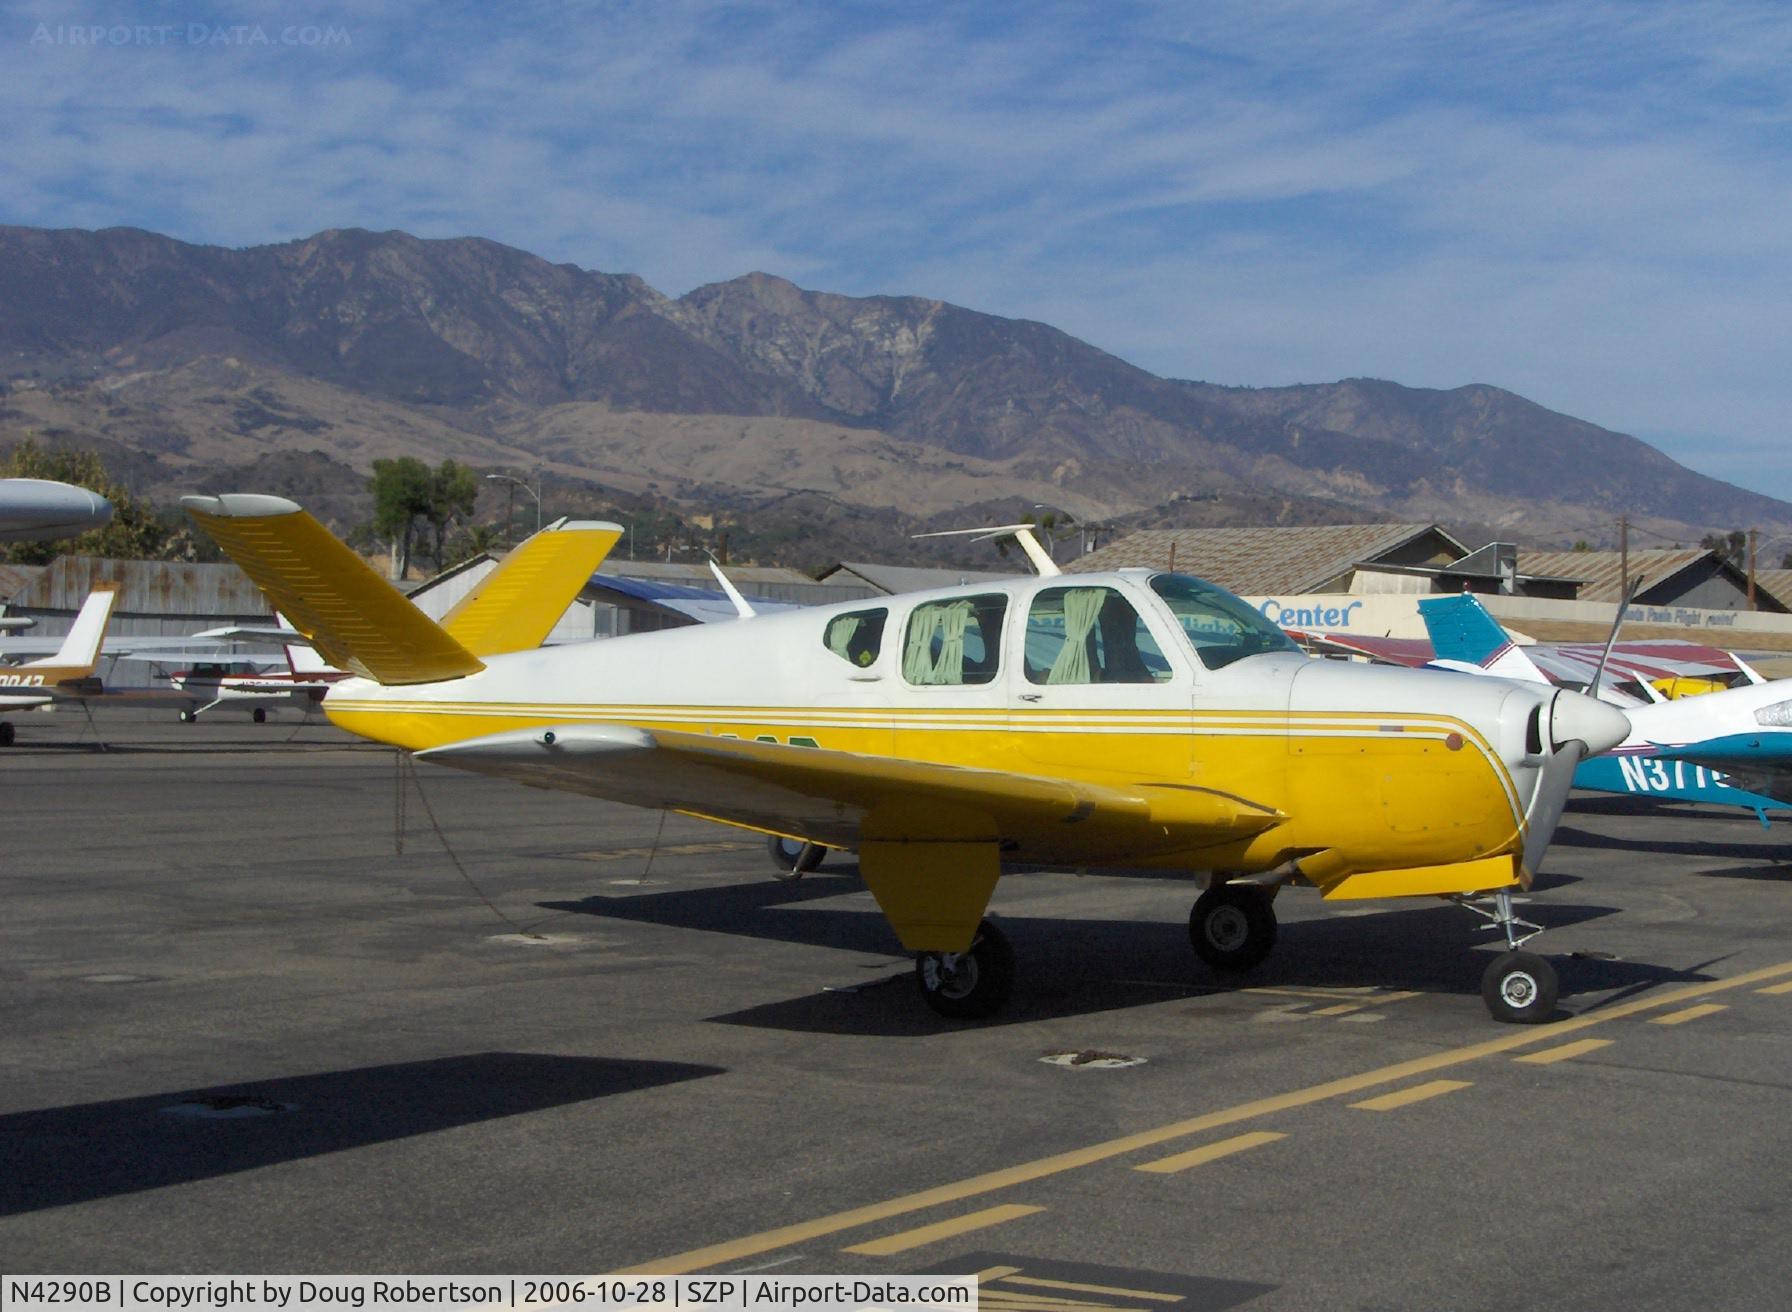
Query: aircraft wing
[[1413, 652], [1758, 762], [844, 799]]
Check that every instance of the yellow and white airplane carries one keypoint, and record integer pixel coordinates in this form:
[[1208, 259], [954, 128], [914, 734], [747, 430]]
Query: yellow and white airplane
[[1134, 719], [67, 675]]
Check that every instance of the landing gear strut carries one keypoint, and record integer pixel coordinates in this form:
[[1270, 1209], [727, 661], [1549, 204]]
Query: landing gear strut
[[1518, 987], [972, 984], [1233, 926], [793, 857]]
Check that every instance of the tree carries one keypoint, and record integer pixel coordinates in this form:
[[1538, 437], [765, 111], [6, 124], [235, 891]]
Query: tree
[[452, 491], [1732, 546], [401, 494], [135, 532]]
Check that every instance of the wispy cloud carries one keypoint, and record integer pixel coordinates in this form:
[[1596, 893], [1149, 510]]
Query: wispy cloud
[[1583, 203]]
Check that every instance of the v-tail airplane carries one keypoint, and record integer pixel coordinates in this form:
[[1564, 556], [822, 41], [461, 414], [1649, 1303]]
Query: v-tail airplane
[[1132, 719], [1732, 747]]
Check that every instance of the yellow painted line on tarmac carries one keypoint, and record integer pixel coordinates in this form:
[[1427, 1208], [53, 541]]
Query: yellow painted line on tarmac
[[1074, 1288], [1776, 989], [1579, 1048], [1000, 1296], [1691, 1013], [989, 1273], [767, 1241], [1406, 1097], [1209, 1153], [1342, 1009], [930, 1234]]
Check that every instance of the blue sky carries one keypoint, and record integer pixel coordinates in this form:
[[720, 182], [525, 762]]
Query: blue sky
[[1589, 204]]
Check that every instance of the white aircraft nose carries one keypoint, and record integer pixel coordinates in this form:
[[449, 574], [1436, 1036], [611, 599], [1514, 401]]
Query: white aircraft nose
[[1575, 717]]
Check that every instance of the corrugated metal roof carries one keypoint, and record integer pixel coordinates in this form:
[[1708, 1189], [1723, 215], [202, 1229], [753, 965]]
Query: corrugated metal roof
[[1270, 559], [696, 573], [14, 579], [147, 587], [1599, 571], [894, 579], [1776, 581]]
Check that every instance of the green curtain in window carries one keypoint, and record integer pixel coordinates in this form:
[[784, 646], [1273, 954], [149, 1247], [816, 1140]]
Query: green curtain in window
[[917, 657], [1081, 608], [949, 667], [840, 635]]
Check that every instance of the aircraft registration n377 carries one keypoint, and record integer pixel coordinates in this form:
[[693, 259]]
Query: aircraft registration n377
[[1134, 719]]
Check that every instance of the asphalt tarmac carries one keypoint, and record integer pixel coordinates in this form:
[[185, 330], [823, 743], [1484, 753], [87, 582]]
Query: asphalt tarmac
[[271, 1001]]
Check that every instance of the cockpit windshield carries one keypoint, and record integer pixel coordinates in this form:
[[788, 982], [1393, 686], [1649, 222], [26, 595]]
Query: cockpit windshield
[[1219, 626]]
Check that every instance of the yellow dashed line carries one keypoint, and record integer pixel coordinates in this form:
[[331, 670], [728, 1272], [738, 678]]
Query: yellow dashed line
[[1551, 1055], [1342, 1009], [928, 1234], [1404, 1097], [785, 1236], [1691, 1013], [1209, 1153], [1075, 1288], [1776, 989]]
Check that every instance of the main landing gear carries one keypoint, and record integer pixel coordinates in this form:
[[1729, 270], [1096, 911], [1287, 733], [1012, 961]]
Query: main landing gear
[[1233, 926], [793, 857], [1518, 987], [971, 984]]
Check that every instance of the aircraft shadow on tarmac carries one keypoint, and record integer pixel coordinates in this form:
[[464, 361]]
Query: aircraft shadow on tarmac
[[62, 1155], [1762, 845], [1072, 967]]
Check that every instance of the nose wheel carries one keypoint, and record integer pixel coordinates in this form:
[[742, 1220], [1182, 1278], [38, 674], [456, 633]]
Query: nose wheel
[[1520, 987], [971, 984]]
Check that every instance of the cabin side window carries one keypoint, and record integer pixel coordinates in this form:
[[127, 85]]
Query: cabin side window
[[1090, 635], [956, 641], [857, 637]]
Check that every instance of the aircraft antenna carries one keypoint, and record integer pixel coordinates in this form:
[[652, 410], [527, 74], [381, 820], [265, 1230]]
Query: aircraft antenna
[[742, 606], [1042, 563]]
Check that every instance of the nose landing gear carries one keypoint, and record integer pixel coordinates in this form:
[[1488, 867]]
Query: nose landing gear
[[1518, 987]]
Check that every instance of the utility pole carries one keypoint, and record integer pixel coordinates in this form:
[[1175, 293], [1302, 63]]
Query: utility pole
[[1753, 535], [1623, 557]]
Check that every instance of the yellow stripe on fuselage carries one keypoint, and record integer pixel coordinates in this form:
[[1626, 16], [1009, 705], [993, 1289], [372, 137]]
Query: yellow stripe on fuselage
[[1386, 788]]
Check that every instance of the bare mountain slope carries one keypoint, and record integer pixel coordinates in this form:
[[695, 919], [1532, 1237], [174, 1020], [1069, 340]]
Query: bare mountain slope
[[356, 344]]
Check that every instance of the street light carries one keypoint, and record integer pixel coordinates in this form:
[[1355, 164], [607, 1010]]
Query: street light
[[532, 491]]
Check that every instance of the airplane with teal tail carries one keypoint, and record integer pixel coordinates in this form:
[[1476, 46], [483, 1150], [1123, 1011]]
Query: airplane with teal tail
[[1729, 748]]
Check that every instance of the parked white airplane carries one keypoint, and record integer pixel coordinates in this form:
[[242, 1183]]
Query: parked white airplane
[[1131, 719], [67, 675], [1732, 747], [259, 686], [37, 509]]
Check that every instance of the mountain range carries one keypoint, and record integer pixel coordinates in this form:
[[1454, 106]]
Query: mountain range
[[822, 424]]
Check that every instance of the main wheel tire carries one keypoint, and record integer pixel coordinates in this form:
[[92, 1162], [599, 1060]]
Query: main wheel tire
[[7, 733], [261, 715], [1232, 926], [793, 857], [187, 717], [968, 985], [1520, 988]]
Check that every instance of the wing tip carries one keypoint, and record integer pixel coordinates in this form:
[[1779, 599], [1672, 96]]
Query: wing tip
[[240, 505]]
